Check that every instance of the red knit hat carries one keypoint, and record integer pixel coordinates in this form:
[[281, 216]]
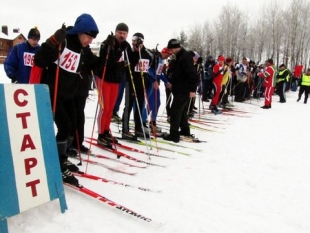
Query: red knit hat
[[166, 51], [228, 60], [221, 58]]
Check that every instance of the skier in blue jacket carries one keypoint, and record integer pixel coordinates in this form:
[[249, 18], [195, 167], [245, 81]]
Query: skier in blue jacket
[[19, 62]]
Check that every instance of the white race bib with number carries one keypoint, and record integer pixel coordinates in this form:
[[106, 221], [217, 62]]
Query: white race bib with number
[[28, 59], [159, 70], [121, 59], [144, 65], [69, 60]]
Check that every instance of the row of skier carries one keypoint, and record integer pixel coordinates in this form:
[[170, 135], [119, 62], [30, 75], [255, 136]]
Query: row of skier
[[65, 62]]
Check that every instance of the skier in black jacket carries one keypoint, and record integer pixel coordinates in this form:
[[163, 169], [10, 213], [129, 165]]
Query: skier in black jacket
[[136, 66], [184, 84], [76, 61]]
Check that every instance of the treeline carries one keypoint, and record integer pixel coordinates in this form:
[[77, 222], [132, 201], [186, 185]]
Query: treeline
[[281, 33]]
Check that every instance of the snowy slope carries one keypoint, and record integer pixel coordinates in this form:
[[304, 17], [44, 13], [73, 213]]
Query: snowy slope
[[252, 176]]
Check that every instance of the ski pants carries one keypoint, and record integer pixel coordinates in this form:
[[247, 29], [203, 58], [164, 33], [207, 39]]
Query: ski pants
[[130, 98], [217, 83], [107, 97], [268, 95], [178, 117]]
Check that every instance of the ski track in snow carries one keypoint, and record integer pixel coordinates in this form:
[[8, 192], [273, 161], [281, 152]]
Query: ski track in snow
[[252, 177]]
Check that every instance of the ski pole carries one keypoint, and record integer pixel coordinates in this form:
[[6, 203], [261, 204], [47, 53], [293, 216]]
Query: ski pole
[[146, 101], [98, 100], [78, 146], [189, 105], [135, 94], [56, 81], [167, 102]]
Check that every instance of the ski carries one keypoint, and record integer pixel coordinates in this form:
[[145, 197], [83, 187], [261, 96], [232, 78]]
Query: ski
[[205, 123], [107, 201], [138, 142], [178, 145], [93, 177], [129, 148], [117, 160], [121, 154], [191, 140], [108, 167]]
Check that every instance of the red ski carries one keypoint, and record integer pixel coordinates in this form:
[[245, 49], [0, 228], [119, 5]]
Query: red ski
[[121, 154], [109, 202], [115, 169], [93, 177], [129, 148]]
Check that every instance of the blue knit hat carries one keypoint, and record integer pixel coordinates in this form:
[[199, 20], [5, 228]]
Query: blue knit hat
[[84, 24]]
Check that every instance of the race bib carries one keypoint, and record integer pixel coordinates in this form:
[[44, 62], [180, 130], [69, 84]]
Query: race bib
[[121, 59], [28, 59], [69, 60], [159, 70], [144, 66]]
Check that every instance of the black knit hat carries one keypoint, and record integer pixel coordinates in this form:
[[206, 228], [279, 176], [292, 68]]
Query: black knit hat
[[173, 43], [270, 61], [138, 34], [34, 33], [122, 27]]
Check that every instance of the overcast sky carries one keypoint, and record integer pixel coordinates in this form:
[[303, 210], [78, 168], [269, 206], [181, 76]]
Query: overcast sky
[[158, 20]]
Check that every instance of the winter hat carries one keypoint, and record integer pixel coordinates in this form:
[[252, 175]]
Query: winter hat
[[221, 58], [270, 61], [228, 60], [138, 35], [34, 33], [209, 57], [282, 65], [84, 24], [192, 53], [166, 51], [173, 44], [121, 27]]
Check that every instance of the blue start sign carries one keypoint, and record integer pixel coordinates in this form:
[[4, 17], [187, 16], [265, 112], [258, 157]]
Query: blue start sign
[[30, 173]]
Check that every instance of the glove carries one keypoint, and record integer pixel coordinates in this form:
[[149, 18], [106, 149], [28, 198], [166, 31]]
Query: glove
[[110, 41], [139, 41], [123, 45], [59, 36]]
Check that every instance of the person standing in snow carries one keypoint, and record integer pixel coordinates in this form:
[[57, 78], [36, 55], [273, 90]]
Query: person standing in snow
[[153, 93], [225, 82], [219, 71], [108, 86], [134, 89], [19, 62], [304, 86], [241, 73], [283, 77], [76, 60], [208, 77], [184, 81], [269, 82]]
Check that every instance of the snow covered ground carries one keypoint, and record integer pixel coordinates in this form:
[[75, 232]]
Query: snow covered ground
[[252, 176]]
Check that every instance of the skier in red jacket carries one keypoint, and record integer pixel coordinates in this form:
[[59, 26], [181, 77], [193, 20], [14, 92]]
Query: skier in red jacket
[[269, 83]]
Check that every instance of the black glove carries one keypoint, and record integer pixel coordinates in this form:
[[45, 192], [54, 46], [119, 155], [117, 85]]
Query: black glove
[[110, 41], [59, 36], [123, 45], [139, 41]]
